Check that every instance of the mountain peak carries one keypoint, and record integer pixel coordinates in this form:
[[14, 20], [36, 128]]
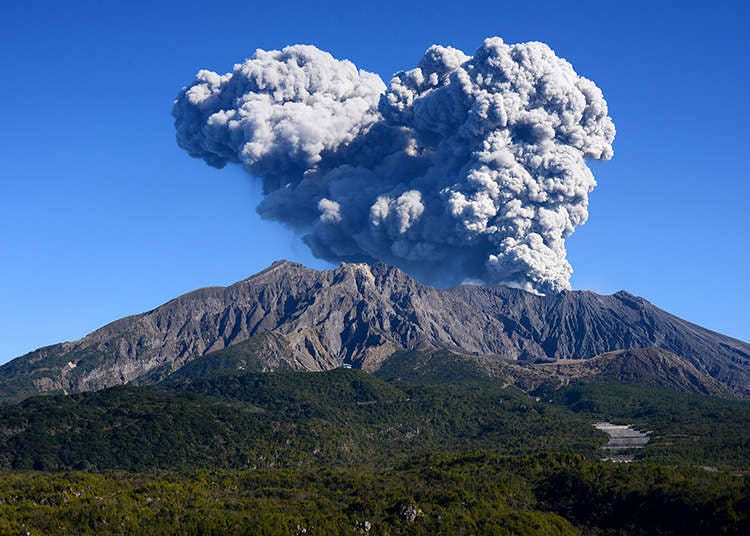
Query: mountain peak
[[360, 314], [280, 265]]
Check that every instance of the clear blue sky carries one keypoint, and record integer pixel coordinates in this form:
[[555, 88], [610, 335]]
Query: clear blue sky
[[102, 215]]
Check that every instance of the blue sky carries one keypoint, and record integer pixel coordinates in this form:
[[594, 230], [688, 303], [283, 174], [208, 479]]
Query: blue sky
[[102, 215]]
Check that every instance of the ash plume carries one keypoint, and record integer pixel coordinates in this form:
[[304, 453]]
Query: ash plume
[[464, 168]]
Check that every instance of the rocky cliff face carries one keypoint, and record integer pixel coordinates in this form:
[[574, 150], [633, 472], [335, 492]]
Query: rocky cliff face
[[359, 315]]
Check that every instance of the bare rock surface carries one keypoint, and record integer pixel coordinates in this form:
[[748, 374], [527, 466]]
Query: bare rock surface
[[652, 367], [359, 315]]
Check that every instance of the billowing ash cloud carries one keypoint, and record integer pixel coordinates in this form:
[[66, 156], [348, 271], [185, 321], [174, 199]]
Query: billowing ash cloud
[[463, 168]]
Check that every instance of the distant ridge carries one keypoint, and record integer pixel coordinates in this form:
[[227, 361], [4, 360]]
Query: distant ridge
[[647, 367], [360, 315]]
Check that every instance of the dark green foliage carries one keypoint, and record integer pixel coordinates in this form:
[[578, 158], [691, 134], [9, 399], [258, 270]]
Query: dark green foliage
[[125, 427], [325, 392], [280, 419]]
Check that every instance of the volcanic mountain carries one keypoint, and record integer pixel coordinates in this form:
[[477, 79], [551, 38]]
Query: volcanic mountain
[[292, 317]]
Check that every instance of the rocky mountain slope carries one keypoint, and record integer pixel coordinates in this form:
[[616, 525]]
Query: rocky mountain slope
[[359, 315], [645, 367]]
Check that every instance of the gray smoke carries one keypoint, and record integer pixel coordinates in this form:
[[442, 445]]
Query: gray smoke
[[464, 168]]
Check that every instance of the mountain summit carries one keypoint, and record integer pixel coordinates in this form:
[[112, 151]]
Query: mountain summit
[[360, 315]]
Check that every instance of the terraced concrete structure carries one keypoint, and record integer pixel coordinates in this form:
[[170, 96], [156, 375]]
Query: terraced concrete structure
[[623, 441]]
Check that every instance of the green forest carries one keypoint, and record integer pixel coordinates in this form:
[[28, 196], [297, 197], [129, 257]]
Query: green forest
[[441, 451], [469, 493]]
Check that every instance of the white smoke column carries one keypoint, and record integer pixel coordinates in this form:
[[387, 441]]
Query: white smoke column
[[465, 168]]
